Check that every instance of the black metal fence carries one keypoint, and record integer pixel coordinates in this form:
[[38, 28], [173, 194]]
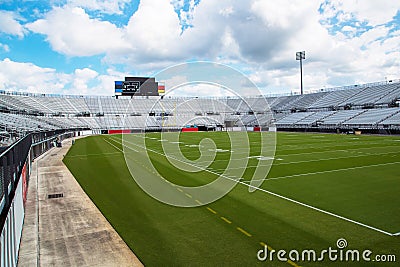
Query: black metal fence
[[11, 162], [13, 159]]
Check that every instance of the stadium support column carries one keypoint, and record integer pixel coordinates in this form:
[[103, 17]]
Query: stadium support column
[[300, 56]]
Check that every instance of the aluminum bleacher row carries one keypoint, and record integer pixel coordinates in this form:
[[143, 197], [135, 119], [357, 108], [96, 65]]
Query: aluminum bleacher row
[[369, 106], [361, 119]]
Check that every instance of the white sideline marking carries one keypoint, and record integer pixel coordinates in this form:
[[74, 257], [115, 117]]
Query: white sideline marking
[[336, 170], [323, 159], [329, 145], [263, 158], [360, 154], [313, 160], [282, 197], [333, 151], [220, 150], [396, 234], [114, 145], [192, 145]]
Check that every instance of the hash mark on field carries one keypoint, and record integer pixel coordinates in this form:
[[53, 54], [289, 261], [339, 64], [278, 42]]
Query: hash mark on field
[[226, 220], [180, 190], [210, 209], [188, 195], [198, 202], [243, 231]]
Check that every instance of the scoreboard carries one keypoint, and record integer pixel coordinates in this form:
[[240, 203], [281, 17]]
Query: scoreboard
[[137, 86]]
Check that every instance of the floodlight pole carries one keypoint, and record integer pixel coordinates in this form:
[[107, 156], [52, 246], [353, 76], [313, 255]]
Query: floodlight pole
[[300, 56]]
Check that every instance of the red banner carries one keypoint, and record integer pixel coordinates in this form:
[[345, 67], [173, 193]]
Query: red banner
[[24, 184], [192, 129], [119, 131]]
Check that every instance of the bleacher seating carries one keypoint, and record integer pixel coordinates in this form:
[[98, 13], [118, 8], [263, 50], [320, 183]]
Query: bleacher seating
[[372, 116], [340, 117], [335, 98], [366, 105], [292, 119], [393, 120], [314, 118]]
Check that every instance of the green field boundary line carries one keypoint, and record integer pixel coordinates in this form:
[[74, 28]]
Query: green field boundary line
[[279, 196]]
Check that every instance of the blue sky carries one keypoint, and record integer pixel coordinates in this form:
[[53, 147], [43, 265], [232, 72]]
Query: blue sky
[[82, 46]]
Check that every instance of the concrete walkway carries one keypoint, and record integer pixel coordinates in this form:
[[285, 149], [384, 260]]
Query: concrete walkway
[[70, 230]]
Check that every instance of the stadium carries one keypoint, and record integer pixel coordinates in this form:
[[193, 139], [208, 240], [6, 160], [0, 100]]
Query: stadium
[[333, 179], [199, 133]]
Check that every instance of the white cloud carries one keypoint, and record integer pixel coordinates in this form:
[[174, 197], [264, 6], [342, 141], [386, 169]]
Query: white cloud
[[4, 47], [9, 24], [104, 6], [81, 79], [72, 32], [154, 30], [259, 36], [27, 77], [371, 11]]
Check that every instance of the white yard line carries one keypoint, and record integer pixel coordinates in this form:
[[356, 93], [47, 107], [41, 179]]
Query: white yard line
[[113, 145]]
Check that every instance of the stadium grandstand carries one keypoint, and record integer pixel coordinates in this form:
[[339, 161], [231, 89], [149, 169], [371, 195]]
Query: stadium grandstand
[[373, 108], [31, 124]]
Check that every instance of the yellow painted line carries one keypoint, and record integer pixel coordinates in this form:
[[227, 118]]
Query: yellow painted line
[[288, 261], [180, 190], [226, 220], [210, 209], [263, 244], [188, 195], [292, 263], [243, 231], [198, 202]]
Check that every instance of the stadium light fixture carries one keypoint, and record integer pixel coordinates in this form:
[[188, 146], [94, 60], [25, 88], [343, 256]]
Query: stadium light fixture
[[300, 56]]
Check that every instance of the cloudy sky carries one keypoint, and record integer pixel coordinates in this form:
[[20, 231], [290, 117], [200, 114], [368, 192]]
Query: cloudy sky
[[82, 46]]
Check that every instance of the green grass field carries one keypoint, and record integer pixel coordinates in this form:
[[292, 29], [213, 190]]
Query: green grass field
[[321, 187]]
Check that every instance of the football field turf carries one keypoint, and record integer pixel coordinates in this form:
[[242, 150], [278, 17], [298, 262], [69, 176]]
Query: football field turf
[[321, 188]]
